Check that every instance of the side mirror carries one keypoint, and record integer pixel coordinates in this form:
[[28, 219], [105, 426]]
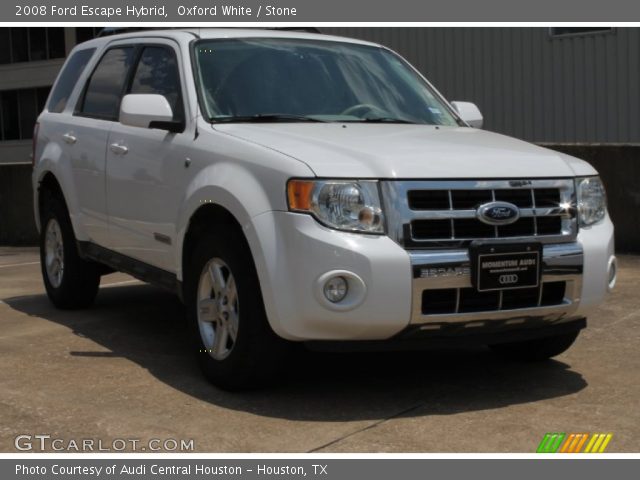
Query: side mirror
[[469, 113], [146, 110]]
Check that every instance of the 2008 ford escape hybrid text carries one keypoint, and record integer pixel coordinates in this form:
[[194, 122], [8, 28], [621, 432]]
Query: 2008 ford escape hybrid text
[[296, 187]]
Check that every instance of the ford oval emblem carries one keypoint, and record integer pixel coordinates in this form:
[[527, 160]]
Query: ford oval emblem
[[498, 213]]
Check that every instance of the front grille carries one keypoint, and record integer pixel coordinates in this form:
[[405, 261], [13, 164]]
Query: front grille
[[441, 213], [471, 228], [468, 300]]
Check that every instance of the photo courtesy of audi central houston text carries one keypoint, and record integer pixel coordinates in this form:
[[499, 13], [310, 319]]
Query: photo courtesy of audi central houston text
[[319, 239]]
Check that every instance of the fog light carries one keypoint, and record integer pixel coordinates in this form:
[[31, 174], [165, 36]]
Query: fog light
[[613, 273], [336, 289]]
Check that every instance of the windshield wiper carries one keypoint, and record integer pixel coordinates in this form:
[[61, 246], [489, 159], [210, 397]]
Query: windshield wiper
[[382, 120], [266, 118]]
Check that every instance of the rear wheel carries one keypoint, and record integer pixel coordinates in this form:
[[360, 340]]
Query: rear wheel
[[536, 350], [70, 281], [234, 343]]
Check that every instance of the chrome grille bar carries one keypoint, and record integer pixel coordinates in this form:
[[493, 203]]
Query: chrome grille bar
[[556, 195]]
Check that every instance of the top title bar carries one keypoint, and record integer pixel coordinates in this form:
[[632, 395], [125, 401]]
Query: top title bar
[[329, 11]]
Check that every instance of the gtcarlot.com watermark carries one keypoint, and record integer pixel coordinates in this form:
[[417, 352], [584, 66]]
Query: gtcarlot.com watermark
[[48, 443]]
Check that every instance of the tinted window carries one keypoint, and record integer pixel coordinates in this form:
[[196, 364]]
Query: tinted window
[[19, 45], [329, 81], [42, 94], [27, 106], [10, 123], [37, 44], [55, 42], [68, 78], [5, 53], [103, 94], [157, 72], [86, 33], [19, 111]]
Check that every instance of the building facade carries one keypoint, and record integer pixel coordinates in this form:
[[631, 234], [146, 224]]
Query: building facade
[[545, 85], [575, 89], [29, 63]]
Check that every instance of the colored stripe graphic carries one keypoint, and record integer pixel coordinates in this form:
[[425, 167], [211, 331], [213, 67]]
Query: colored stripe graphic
[[557, 442], [550, 443], [590, 444], [598, 443], [581, 442], [568, 444], [542, 448], [606, 441]]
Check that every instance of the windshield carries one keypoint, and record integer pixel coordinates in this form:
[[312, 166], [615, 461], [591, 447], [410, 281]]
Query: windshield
[[258, 79]]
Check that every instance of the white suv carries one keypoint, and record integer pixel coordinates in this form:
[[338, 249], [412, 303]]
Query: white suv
[[299, 187]]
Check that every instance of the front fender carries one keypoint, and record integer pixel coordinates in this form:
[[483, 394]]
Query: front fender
[[232, 187]]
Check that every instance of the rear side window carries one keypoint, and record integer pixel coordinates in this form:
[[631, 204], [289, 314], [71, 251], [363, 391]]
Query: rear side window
[[157, 72], [104, 89], [68, 78]]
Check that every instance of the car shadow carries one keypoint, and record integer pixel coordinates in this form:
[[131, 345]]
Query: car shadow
[[146, 325]]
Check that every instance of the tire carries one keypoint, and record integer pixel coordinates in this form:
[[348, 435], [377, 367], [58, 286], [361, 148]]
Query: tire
[[536, 350], [74, 282], [251, 355]]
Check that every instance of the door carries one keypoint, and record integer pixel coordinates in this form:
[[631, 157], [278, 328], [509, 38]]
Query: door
[[143, 167], [85, 134]]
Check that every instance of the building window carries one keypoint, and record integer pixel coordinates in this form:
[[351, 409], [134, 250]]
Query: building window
[[31, 44], [19, 110], [56, 44], [566, 31], [84, 34]]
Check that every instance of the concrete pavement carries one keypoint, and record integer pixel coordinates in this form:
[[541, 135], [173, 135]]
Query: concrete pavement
[[123, 370]]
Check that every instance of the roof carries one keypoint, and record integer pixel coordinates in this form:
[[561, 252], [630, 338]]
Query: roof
[[215, 33]]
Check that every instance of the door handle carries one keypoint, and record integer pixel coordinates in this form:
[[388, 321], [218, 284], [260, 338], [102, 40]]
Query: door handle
[[69, 138], [119, 149]]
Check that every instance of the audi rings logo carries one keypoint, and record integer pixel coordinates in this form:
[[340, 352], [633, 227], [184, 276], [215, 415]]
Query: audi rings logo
[[509, 279]]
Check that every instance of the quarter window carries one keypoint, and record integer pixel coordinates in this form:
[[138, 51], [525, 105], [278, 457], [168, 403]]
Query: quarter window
[[157, 73], [104, 90], [68, 79]]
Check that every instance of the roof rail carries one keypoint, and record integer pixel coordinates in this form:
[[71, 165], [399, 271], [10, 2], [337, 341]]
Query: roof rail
[[108, 31], [296, 29]]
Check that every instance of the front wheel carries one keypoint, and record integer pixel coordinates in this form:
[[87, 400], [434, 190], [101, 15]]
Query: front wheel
[[233, 341], [536, 350]]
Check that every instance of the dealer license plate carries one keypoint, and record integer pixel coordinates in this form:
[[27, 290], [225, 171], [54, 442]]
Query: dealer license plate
[[505, 267]]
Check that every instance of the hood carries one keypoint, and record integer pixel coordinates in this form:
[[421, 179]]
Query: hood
[[351, 150]]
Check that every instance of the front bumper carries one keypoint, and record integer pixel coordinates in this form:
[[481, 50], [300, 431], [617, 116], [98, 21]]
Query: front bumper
[[293, 253], [449, 270], [456, 335]]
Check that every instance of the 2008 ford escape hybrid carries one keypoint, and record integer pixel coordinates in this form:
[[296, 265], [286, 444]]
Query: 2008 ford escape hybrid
[[299, 187]]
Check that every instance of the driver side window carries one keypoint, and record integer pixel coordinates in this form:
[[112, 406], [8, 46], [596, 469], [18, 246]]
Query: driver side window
[[157, 73]]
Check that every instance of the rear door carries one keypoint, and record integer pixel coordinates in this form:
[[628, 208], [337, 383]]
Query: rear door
[[60, 127], [85, 136], [145, 166]]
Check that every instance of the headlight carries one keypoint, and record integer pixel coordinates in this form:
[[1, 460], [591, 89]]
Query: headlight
[[351, 205], [592, 200]]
